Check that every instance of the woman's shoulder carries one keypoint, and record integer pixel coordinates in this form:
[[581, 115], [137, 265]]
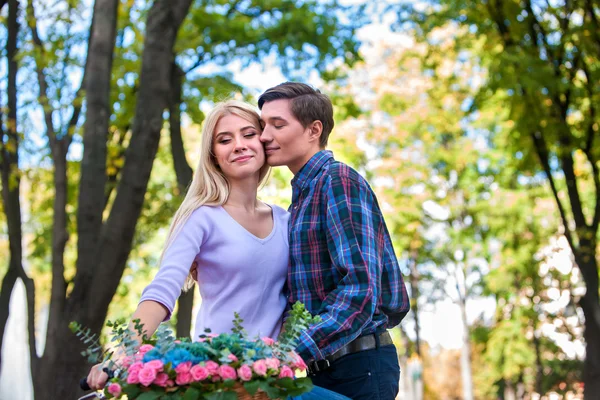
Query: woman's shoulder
[[279, 212], [205, 214]]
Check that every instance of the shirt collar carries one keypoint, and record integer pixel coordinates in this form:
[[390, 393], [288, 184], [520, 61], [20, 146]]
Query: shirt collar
[[311, 168]]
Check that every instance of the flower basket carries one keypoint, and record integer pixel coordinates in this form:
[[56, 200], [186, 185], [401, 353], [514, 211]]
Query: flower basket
[[227, 366], [242, 394]]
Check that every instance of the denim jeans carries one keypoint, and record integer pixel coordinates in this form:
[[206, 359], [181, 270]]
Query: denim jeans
[[366, 375], [318, 393]]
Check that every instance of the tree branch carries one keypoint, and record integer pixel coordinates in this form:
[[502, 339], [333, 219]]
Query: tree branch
[[198, 63], [42, 82], [498, 17], [567, 163], [542, 152], [78, 101], [589, 145]]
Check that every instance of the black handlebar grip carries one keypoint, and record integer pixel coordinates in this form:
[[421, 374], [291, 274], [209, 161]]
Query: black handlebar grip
[[83, 384]]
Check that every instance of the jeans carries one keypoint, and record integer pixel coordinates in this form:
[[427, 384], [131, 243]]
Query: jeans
[[366, 375], [318, 393]]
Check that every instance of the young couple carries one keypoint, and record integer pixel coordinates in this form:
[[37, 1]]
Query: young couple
[[332, 251]]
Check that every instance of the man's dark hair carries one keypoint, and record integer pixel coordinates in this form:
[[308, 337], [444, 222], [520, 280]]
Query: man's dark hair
[[307, 105]]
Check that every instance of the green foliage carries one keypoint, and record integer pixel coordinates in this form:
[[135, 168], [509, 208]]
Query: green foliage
[[298, 320]]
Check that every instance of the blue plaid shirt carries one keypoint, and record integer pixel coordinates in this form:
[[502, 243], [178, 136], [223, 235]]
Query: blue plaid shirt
[[343, 265]]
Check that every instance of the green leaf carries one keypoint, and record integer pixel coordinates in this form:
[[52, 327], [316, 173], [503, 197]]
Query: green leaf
[[271, 391], [286, 383], [192, 394], [131, 390], [221, 396], [252, 387], [149, 396]]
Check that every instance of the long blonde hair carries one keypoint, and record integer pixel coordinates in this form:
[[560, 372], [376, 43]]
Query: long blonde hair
[[209, 186]]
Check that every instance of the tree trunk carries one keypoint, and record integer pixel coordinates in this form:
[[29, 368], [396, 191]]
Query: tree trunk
[[465, 355], [590, 304], [414, 301], [591, 365], [539, 367], [102, 255], [11, 183], [93, 163], [184, 174]]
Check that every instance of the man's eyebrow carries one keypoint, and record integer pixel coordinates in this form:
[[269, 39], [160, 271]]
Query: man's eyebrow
[[274, 119]]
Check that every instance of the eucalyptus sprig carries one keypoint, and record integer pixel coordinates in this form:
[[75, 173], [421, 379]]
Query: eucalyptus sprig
[[298, 320]]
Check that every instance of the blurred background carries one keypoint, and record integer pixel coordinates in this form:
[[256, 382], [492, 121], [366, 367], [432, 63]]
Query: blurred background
[[476, 122]]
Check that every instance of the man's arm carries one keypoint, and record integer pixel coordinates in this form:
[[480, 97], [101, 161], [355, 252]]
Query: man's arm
[[352, 243]]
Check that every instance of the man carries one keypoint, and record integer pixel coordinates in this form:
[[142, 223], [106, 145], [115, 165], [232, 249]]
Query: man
[[342, 263]]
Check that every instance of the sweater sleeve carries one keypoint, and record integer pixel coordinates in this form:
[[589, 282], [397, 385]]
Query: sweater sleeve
[[166, 286]]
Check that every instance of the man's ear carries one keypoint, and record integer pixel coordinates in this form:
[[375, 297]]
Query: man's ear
[[315, 130]]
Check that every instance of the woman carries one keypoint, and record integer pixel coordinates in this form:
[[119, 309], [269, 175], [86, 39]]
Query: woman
[[237, 243]]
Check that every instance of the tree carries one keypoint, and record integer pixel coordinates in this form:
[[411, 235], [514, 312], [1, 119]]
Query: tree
[[11, 181], [542, 61], [428, 179], [120, 143]]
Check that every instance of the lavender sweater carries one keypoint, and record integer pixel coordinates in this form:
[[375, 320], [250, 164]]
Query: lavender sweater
[[237, 272]]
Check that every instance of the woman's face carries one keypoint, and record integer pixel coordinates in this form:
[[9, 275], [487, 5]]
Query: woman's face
[[237, 148]]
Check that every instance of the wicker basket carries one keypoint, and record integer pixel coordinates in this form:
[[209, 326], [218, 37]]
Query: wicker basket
[[243, 394]]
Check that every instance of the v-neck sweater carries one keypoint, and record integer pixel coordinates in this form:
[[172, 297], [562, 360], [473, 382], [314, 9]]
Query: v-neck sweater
[[237, 272]]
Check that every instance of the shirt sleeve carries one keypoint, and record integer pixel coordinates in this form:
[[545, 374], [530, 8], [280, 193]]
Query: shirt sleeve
[[351, 241], [166, 286]]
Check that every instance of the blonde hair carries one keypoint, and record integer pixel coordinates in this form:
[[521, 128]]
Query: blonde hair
[[209, 186]]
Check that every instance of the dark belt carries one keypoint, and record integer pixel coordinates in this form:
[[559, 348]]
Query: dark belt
[[361, 343]]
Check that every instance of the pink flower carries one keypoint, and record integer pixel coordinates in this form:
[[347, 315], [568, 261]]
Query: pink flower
[[286, 372], [199, 373], [184, 367], [156, 365], [268, 341], [161, 379], [127, 361], [114, 389], [298, 362], [145, 348], [184, 378], [232, 357], [260, 367], [170, 383], [133, 379], [245, 372], [133, 373], [272, 363], [212, 367], [147, 375], [227, 372]]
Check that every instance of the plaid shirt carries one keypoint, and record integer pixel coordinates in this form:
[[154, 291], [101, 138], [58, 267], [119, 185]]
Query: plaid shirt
[[343, 265]]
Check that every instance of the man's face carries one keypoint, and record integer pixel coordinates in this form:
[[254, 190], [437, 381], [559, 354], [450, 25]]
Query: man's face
[[286, 141]]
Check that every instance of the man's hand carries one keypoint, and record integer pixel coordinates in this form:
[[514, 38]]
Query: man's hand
[[194, 271]]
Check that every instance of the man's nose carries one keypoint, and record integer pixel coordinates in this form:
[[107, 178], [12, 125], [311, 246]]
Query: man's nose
[[265, 136]]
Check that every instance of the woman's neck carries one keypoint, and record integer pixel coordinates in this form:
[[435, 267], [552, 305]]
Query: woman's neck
[[242, 194]]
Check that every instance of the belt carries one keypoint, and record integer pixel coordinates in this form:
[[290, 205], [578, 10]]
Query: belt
[[361, 343]]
